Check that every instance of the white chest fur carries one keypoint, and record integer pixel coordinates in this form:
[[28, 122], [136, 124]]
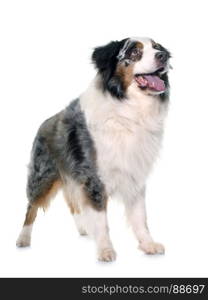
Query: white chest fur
[[127, 137]]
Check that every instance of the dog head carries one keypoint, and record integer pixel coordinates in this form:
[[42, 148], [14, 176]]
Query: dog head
[[138, 62]]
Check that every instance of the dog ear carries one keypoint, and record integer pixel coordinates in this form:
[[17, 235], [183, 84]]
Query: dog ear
[[105, 57]]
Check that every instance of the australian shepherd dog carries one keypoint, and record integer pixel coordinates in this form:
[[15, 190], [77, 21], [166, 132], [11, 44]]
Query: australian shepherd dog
[[104, 144]]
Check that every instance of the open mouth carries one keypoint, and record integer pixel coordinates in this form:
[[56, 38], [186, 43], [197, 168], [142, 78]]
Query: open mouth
[[151, 81]]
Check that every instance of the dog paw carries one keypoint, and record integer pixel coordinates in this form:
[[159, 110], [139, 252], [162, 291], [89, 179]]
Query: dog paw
[[23, 241], [82, 232], [152, 248], [107, 255]]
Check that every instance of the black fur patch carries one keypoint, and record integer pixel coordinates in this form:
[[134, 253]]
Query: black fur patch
[[77, 155], [159, 47], [43, 170], [105, 59], [74, 145], [165, 96]]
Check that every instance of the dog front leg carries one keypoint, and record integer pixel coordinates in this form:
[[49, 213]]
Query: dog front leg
[[136, 214]]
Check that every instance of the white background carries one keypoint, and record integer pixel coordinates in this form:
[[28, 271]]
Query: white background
[[44, 63]]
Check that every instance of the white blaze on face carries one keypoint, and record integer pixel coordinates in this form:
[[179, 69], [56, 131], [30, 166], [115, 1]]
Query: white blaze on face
[[147, 64]]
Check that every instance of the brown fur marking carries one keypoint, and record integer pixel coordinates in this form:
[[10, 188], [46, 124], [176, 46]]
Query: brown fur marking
[[43, 202], [126, 74], [30, 215], [139, 45]]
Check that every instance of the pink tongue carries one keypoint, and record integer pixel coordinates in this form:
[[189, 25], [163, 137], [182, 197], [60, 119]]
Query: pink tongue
[[151, 81]]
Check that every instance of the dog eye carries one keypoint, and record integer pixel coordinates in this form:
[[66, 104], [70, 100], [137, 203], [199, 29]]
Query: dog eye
[[134, 51]]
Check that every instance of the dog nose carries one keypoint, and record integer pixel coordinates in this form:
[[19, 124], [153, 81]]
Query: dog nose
[[162, 56]]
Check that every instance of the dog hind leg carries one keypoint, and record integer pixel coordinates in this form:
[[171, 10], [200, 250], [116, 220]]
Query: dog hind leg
[[43, 183]]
